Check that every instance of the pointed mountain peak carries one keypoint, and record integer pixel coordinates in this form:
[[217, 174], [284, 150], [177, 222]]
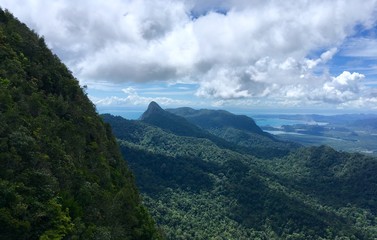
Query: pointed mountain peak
[[152, 109], [153, 106]]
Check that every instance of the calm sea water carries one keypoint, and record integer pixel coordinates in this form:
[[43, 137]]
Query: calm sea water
[[131, 115]]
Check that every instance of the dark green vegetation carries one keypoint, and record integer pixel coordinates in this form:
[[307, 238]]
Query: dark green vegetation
[[199, 189], [61, 173], [218, 119], [237, 129]]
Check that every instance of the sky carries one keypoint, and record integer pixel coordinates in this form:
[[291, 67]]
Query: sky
[[291, 56]]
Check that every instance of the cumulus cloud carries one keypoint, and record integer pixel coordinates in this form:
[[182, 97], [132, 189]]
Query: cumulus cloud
[[343, 88], [232, 49], [228, 83]]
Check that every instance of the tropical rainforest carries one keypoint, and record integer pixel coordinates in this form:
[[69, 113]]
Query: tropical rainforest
[[210, 174], [61, 172], [202, 174]]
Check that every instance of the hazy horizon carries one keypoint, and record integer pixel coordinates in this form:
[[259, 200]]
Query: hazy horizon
[[135, 113]]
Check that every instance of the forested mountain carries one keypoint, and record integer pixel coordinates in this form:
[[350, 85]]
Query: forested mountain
[[215, 119], [197, 189], [156, 116], [203, 174], [238, 129], [61, 173]]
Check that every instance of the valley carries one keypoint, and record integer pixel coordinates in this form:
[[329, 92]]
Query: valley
[[342, 132], [209, 173], [87, 152]]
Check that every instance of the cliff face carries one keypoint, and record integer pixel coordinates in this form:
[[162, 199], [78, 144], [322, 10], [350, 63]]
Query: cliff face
[[61, 173]]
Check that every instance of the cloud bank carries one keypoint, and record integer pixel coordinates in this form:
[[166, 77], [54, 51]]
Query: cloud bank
[[133, 98], [234, 49]]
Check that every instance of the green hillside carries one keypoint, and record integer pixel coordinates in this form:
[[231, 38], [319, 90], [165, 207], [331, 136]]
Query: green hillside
[[226, 130], [61, 173], [156, 116], [237, 129], [196, 189], [214, 119]]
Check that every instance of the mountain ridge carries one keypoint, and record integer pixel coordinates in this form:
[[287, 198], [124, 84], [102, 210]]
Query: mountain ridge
[[61, 172], [153, 108], [240, 130], [197, 189], [208, 119], [156, 116], [247, 142]]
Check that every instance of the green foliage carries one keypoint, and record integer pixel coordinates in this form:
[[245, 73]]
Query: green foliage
[[61, 172], [196, 189], [218, 119], [156, 116], [61, 223], [334, 177], [237, 129], [261, 146]]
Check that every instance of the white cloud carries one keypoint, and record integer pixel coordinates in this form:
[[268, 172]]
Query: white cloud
[[343, 88], [360, 103], [232, 49], [326, 56], [133, 98], [225, 83]]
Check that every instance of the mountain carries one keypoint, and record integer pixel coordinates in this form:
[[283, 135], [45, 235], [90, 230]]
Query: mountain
[[156, 116], [196, 189], [153, 108], [226, 133], [214, 119], [237, 129], [61, 173], [366, 123]]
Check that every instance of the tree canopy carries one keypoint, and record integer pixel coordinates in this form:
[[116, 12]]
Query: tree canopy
[[199, 189], [61, 173]]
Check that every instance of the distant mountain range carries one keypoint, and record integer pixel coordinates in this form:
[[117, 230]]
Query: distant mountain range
[[156, 116], [210, 173], [218, 119], [221, 127]]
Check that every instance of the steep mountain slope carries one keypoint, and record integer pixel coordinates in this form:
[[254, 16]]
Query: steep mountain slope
[[61, 173], [238, 129], [198, 190]]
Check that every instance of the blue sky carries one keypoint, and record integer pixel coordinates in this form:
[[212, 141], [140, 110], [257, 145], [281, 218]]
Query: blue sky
[[244, 56]]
